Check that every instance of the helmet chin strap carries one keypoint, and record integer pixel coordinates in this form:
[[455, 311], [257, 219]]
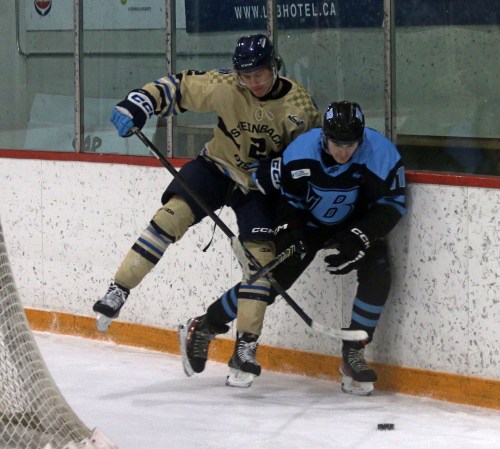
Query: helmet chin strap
[[275, 77], [324, 144]]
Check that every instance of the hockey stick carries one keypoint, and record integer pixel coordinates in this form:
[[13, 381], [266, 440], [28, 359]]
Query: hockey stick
[[280, 258], [345, 334]]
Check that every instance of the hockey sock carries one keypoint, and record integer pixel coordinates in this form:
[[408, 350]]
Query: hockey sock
[[365, 316], [142, 257], [251, 316], [224, 309]]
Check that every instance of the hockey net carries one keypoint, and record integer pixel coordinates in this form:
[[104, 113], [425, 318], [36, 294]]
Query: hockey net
[[33, 412]]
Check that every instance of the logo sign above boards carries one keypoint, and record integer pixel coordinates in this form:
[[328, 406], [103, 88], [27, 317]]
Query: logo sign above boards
[[44, 15], [42, 7], [231, 15]]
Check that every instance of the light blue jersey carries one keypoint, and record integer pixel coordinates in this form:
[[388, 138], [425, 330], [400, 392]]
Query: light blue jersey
[[370, 187]]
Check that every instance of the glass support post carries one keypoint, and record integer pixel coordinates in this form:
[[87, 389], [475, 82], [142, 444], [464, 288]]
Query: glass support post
[[389, 70], [78, 73]]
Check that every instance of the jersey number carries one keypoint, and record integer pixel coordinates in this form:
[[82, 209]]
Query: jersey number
[[258, 148]]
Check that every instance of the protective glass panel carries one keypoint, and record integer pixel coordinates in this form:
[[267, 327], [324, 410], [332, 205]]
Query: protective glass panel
[[448, 85], [124, 48], [37, 71], [336, 50]]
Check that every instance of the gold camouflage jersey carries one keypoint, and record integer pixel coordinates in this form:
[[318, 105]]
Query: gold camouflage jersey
[[248, 128]]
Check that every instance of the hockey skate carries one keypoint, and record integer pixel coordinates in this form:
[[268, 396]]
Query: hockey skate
[[194, 340], [243, 366], [357, 376], [108, 307]]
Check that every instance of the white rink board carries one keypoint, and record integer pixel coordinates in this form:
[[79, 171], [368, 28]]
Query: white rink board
[[69, 224]]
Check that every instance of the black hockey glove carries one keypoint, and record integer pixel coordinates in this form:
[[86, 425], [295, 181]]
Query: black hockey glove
[[351, 246], [290, 230], [132, 112], [266, 175], [286, 236]]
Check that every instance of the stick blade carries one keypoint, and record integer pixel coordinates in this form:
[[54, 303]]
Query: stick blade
[[344, 334], [353, 335]]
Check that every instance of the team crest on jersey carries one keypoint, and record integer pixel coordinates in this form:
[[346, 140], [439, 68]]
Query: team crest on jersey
[[301, 173], [295, 120], [43, 7], [225, 71]]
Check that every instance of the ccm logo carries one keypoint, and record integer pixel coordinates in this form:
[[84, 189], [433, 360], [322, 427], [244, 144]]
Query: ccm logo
[[362, 236], [281, 228], [143, 102], [264, 230], [276, 172]]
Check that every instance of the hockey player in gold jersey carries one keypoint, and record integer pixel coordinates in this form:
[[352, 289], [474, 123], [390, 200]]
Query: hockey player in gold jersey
[[259, 114]]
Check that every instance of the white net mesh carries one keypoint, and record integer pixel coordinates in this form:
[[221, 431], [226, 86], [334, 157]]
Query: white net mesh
[[33, 413]]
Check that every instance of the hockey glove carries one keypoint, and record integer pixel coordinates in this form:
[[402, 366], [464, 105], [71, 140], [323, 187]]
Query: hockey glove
[[132, 112], [286, 236], [290, 230], [266, 175], [351, 246]]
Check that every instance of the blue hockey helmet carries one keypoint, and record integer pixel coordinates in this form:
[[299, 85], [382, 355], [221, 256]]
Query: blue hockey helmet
[[253, 52], [344, 122]]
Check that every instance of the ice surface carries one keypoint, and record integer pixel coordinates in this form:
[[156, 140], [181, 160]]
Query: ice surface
[[142, 400]]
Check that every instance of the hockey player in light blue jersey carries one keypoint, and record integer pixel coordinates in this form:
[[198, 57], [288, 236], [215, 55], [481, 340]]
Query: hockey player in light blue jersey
[[342, 187]]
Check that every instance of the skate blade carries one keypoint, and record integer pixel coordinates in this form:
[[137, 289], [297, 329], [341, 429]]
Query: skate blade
[[103, 322], [350, 386], [183, 328], [239, 379]]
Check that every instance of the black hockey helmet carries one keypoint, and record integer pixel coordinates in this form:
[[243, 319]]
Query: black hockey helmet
[[344, 122], [253, 52]]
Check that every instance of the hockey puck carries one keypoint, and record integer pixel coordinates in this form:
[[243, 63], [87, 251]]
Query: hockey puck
[[385, 426]]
